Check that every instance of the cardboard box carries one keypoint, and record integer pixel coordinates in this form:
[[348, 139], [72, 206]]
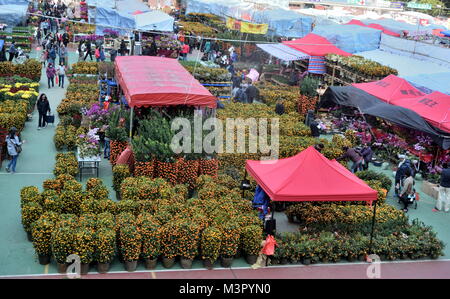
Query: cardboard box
[[430, 189]]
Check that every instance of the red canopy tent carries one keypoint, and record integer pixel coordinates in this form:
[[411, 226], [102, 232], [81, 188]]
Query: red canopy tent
[[374, 26], [156, 81], [315, 45], [390, 88], [309, 176], [434, 107]]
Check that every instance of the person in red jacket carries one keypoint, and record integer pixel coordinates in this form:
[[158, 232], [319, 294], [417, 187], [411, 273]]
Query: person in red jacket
[[184, 51], [51, 73]]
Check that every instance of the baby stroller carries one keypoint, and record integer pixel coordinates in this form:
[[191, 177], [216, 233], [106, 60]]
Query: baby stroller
[[412, 199]]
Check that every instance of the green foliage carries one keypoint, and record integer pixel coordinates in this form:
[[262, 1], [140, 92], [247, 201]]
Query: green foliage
[[309, 86]]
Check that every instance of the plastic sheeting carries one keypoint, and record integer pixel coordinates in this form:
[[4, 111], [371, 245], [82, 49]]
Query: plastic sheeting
[[405, 66], [417, 50], [351, 38], [14, 2], [130, 6], [110, 18], [281, 22], [13, 14], [101, 3], [154, 20], [437, 82], [400, 27], [282, 52]]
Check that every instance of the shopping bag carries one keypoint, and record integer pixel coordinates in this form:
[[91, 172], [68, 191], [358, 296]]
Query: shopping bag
[[50, 119], [56, 80]]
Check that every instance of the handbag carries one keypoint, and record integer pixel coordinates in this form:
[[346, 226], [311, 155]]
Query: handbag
[[18, 148]]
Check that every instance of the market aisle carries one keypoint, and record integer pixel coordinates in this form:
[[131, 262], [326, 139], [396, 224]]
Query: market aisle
[[35, 164]]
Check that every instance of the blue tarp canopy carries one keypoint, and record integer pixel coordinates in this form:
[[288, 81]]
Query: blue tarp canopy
[[13, 14], [154, 20], [284, 22], [405, 66], [433, 82], [351, 38], [111, 18], [282, 52], [101, 3], [281, 22], [14, 2], [446, 32]]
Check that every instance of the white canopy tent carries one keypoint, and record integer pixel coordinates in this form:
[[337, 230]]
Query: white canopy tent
[[154, 20], [282, 52]]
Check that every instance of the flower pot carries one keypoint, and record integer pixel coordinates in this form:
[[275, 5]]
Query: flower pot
[[150, 263], [84, 268], [290, 218], [118, 196], [186, 263], [306, 261], [44, 259], [208, 264], [351, 258], [29, 237], [168, 262], [130, 266], [62, 268], [103, 268], [361, 258], [251, 259], [284, 261], [226, 261]]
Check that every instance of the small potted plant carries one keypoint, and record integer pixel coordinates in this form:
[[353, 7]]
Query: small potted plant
[[105, 247], [251, 238], [30, 213], [210, 246], [85, 247], [42, 233], [130, 246], [230, 243], [120, 173], [169, 238], [150, 231], [188, 243], [63, 241]]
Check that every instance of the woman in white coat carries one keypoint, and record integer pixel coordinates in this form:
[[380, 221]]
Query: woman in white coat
[[14, 148]]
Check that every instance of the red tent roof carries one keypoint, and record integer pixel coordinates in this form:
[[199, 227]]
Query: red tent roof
[[374, 26], [309, 176], [156, 81], [434, 107], [315, 45], [390, 88]]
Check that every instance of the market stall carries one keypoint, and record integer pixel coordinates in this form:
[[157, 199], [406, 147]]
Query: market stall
[[157, 81], [309, 176], [368, 104]]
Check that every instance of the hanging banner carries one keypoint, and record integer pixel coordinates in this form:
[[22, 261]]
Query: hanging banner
[[233, 24], [246, 27], [254, 28]]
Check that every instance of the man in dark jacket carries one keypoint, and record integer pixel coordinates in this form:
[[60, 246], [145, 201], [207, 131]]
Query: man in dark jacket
[[314, 126], [443, 202], [43, 106], [88, 50], [367, 154], [252, 93], [353, 155]]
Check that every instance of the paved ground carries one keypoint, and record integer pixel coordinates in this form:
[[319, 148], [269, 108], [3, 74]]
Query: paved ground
[[36, 164], [398, 270]]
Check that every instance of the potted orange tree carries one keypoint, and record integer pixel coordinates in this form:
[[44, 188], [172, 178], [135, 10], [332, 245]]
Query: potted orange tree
[[130, 246], [210, 246], [150, 231]]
